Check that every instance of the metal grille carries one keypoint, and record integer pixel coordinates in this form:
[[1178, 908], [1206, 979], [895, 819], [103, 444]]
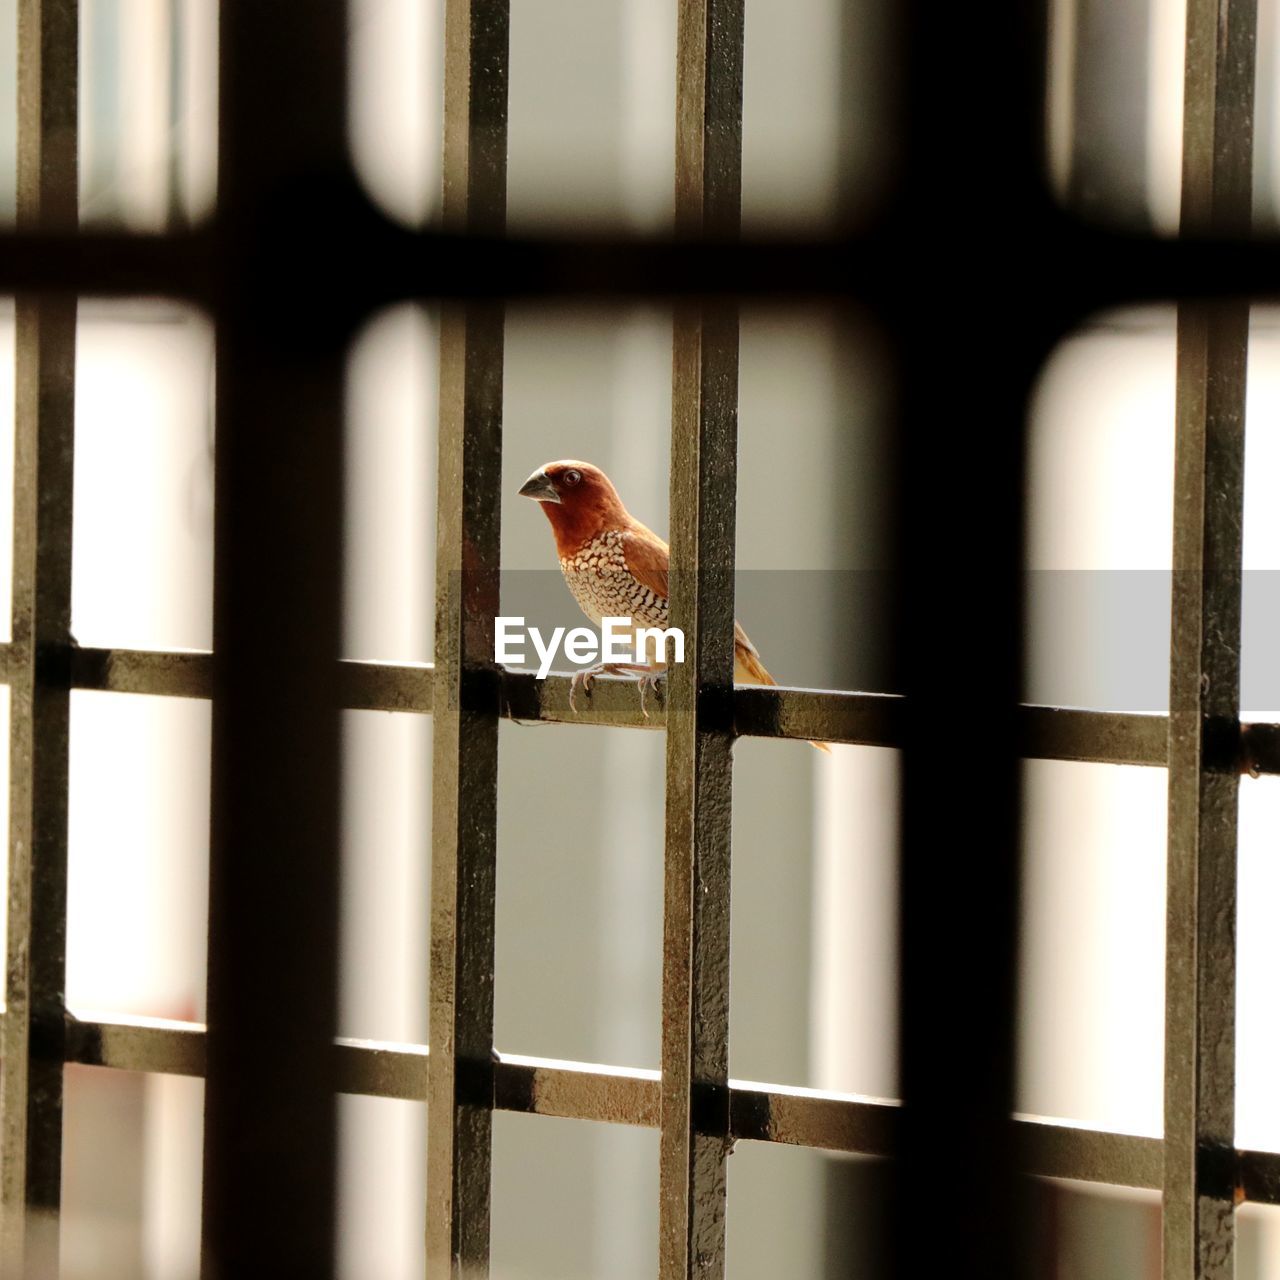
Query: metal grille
[[294, 263]]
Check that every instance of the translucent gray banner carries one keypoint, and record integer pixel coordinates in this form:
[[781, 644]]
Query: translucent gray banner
[[1095, 639]]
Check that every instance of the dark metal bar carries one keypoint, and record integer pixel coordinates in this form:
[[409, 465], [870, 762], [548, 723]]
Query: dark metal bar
[[1103, 737], [542, 1086], [1204, 688], [1081, 270], [465, 759], [1203, 752], [1053, 1149], [173, 675], [809, 1118], [696, 1138], [44, 412], [779, 711], [617, 1095], [1259, 1177], [958, 493], [137, 1044], [361, 686], [269, 1151], [372, 686], [1260, 748], [382, 1070], [464, 795], [873, 719]]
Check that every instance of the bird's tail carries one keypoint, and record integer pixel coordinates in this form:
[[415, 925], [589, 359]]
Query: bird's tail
[[748, 669]]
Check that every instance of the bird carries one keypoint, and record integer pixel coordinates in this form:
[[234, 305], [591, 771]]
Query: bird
[[615, 566]]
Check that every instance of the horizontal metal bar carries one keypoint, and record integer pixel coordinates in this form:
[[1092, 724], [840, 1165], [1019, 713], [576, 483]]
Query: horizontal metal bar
[[179, 674], [873, 719], [825, 715], [362, 686], [1103, 737], [1050, 733], [577, 1091], [612, 701], [381, 1070], [810, 1118], [136, 1044], [618, 1095], [376, 686], [1258, 1177], [1054, 1149], [1081, 271]]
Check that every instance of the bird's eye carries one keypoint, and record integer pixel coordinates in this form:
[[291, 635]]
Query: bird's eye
[[572, 477]]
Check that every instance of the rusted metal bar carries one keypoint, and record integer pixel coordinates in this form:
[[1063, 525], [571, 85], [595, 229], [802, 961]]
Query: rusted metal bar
[[779, 711], [270, 1150], [619, 1095], [1204, 686], [465, 752], [1204, 696], [44, 411], [1203, 752], [1055, 1149], [361, 686], [695, 1138], [372, 686], [172, 675]]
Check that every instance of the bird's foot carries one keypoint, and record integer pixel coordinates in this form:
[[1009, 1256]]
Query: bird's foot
[[651, 682], [581, 680]]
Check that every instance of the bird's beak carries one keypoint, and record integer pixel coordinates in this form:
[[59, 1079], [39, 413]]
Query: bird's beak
[[539, 487]]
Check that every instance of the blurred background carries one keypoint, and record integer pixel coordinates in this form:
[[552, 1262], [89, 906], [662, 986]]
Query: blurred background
[[579, 914]]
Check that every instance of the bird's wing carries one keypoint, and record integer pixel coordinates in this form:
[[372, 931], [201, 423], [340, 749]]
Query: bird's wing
[[647, 558]]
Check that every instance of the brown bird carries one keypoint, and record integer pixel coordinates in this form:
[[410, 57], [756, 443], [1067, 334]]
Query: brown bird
[[617, 567]]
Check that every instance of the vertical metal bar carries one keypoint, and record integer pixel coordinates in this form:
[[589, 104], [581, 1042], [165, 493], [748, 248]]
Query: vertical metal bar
[[959, 504], [465, 751], [31, 1095], [1204, 684], [269, 1147], [704, 446]]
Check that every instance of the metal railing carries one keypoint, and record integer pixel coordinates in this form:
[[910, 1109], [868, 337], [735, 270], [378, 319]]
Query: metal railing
[[295, 261]]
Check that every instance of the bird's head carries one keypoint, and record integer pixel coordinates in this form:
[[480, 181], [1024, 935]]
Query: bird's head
[[579, 500]]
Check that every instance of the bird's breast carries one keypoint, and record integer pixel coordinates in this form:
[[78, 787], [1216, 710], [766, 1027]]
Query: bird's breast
[[605, 587]]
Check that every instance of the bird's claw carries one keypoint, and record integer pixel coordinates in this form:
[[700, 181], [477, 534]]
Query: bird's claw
[[581, 680], [650, 681]]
